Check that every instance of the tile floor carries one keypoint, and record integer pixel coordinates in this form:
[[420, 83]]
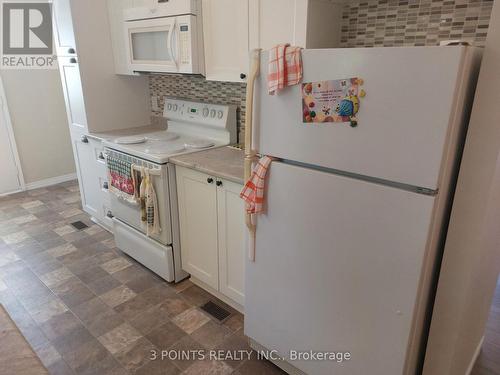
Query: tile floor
[[87, 308]]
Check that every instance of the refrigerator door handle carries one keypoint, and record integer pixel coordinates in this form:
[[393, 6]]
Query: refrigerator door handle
[[250, 153]]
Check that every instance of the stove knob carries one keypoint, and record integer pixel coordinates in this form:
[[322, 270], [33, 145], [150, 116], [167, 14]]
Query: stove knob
[[205, 112], [212, 113], [220, 114], [175, 107], [169, 106]]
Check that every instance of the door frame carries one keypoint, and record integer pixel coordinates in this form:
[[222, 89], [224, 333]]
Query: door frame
[[4, 107]]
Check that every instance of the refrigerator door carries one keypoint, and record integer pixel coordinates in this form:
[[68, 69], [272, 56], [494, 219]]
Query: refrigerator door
[[337, 268], [402, 123]]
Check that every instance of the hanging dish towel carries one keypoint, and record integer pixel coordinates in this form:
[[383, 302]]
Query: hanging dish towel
[[121, 178], [285, 67], [142, 194], [253, 191], [149, 205]]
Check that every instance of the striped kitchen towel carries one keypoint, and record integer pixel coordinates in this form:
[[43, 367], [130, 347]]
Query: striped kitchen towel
[[253, 191], [121, 178], [285, 67]]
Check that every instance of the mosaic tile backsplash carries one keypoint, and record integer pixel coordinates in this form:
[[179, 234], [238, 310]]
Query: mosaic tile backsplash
[[198, 89], [369, 23]]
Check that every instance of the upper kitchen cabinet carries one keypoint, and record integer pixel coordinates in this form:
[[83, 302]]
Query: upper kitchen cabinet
[[97, 99], [233, 27], [303, 23], [226, 33], [118, 39], [64, 36]]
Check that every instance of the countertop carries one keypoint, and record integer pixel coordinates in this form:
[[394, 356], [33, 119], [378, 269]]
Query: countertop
[[223, 162]]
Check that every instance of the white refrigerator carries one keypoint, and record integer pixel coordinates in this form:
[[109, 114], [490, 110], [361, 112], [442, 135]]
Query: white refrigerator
[[356, 216]]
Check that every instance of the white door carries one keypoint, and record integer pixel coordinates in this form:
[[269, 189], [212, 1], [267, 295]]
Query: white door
[[63, 28], [198, 225], [225, 33], [231, 234], [10, 180], [337, 268], [412, 102], [267, 30], [73, 93]]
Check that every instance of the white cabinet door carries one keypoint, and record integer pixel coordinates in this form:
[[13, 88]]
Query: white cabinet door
[[231, 234], [267, 30], [87, 174], [73, 93], [63, 28], [225, 30], [118, 35], [198, 225]]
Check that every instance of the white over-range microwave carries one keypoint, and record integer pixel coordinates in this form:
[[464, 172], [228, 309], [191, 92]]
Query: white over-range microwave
[[167, 38]]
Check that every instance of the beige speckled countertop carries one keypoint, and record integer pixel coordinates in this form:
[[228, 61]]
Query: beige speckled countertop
[[223, 162]]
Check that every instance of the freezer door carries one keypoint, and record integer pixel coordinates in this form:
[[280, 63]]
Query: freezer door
[[337, 267], [402, 122]]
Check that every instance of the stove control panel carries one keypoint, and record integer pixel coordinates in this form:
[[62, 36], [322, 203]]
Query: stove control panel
[[213, 115]]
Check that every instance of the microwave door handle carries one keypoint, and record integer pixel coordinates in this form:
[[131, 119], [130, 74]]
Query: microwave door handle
[[171, 45]]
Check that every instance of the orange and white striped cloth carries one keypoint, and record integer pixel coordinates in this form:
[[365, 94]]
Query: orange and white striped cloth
[[285, 67], [253, 191]]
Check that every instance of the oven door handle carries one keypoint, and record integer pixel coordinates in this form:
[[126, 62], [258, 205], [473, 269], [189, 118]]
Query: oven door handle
[[126, 201]]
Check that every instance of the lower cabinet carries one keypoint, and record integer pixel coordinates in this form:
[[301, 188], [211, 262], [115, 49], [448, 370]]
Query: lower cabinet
[[212, 231], [92, 176]]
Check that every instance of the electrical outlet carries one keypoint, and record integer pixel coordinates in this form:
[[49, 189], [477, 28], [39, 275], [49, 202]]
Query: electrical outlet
[[154, 104]]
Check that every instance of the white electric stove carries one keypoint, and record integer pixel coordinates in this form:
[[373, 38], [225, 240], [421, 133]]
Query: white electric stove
[[192, 127]]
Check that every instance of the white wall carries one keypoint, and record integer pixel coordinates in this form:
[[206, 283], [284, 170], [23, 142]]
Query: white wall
[[471, 259], [38, 115]]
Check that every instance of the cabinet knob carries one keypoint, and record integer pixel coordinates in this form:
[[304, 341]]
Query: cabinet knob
[[110, 215], [101, 156], [71, 50], [72, 60], [210, 180], [243, 76], [85, 139], [218, 183]]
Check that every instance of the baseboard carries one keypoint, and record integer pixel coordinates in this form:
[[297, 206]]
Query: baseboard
[[474, 358], [50, 181]]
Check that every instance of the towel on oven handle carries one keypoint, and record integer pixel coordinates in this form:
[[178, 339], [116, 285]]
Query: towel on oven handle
[[149, 204], [122, 179]]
